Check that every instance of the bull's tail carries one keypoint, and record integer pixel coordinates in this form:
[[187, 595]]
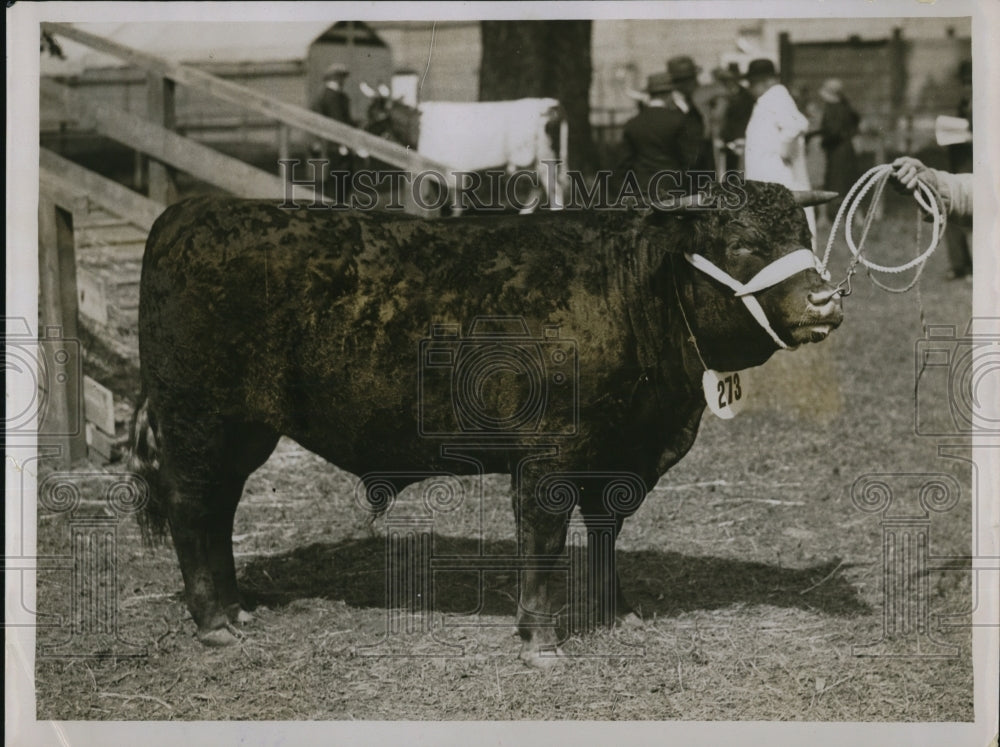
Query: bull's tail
[[144, 464]]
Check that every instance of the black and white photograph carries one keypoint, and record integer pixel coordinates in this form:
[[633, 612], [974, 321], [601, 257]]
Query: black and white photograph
[[502, 371]]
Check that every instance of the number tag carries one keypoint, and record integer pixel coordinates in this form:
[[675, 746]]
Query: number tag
[[725, 392]]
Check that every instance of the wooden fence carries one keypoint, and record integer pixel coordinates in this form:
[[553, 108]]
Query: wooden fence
[[66, 188]]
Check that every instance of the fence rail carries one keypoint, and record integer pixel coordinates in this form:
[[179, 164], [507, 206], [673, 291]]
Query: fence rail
[[289, 114], [65, 182], [167, 146], [66, 188]]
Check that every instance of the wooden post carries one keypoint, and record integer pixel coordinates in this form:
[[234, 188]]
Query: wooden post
[[61, 411], [160, 106], [284, 148], [139, 171], [786, 58]]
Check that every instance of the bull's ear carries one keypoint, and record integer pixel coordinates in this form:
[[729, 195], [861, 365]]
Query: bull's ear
[[810, 197], [384, 91], [367, 90]]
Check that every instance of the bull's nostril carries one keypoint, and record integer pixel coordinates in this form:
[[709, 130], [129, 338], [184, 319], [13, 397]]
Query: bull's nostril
[[820, 298]]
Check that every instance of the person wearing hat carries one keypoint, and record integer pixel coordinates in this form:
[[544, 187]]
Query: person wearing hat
[[775, 140], [668, 135], [837, 128], [333, 102], [739, 107]]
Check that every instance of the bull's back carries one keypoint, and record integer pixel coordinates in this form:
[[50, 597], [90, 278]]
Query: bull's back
[[307, 318]]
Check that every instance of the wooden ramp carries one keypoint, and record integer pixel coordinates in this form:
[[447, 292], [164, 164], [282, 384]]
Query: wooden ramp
[[92, 230]]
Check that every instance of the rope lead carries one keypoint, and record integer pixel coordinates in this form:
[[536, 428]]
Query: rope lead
[[876, 178]]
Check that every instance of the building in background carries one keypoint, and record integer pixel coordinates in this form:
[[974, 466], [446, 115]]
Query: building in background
[[898, 72]]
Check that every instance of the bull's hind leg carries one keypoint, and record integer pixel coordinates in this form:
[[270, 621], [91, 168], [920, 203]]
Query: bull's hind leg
[[205, 486]]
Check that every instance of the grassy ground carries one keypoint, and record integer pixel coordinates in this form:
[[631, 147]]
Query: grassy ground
[[755, 573]]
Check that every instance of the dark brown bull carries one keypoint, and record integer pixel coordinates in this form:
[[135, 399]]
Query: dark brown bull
[[255, 322]]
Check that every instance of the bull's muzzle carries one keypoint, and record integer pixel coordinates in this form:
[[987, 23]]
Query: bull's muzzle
[[824, 313]]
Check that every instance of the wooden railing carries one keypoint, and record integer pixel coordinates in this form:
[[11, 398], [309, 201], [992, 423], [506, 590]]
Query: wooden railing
[[65, 186], [66, 182], [166, 146], [288, 114]]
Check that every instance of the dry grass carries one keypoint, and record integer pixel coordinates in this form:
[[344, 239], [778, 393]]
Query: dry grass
[[754, 572]]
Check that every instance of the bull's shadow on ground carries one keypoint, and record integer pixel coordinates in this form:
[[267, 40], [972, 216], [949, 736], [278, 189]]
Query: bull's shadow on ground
[[655, 582]]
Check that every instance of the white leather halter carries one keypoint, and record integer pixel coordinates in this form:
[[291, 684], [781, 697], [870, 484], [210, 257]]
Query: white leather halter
[[778, 270]]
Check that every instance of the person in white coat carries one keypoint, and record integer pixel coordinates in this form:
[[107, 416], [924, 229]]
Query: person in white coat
[[775, 138]]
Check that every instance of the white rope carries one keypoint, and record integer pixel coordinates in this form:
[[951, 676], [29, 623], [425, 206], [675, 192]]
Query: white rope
[[876, 177]]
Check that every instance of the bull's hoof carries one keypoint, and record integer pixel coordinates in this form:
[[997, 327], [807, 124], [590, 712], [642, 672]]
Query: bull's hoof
[[220, 637], [541, 657], [629, 620], [238, 616]]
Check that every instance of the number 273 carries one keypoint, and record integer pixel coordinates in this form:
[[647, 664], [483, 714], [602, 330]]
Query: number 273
[[729, 390]]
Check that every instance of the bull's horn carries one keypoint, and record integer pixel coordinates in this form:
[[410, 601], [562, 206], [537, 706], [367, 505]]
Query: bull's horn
[[809, 197], [367, 90]]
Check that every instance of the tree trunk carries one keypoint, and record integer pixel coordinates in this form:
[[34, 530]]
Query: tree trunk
[[537, 59]]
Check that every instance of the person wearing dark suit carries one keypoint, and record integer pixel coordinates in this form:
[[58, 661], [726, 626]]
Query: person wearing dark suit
[[669, 134], [838, 126], [739, 107]]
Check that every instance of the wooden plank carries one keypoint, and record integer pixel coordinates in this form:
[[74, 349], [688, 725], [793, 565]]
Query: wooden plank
[[160, 98], [65, 181], [118, 254], [92, 296], [62, 421], [290, 114], [100, 445], [110, 235], [99, 405], [126, 297], [203, 162], [104, 222]]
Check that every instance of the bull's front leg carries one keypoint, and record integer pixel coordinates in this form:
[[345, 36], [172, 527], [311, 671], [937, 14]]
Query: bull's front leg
[[541, 539], [608, 604]]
